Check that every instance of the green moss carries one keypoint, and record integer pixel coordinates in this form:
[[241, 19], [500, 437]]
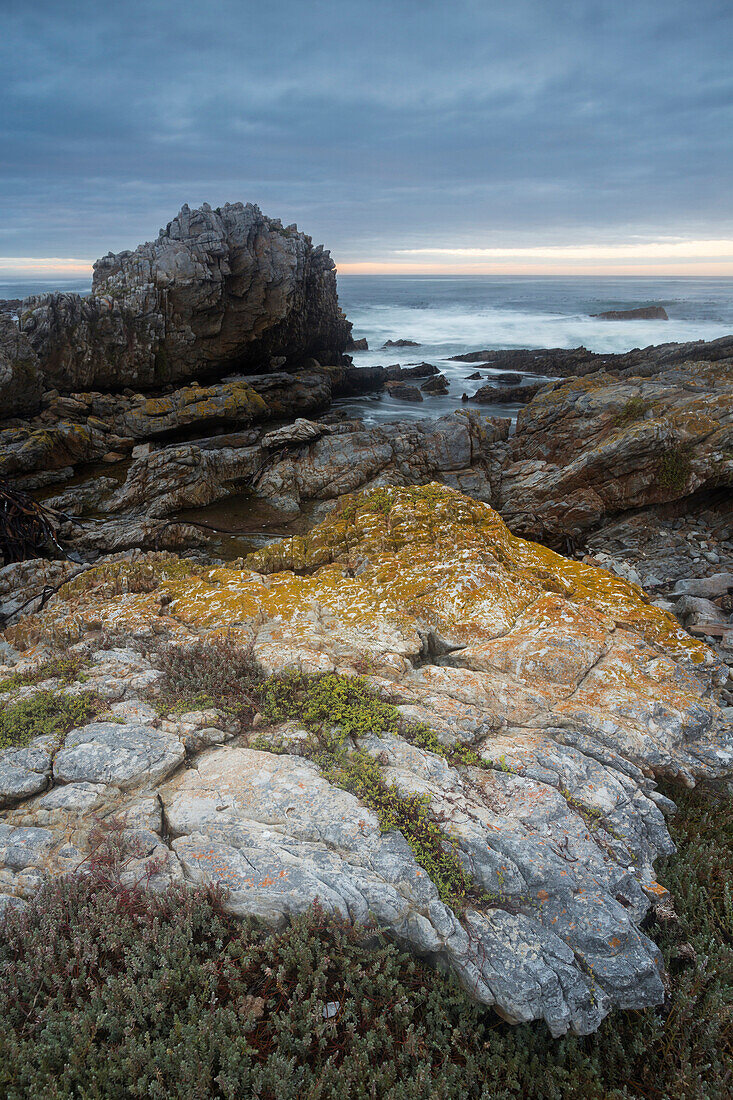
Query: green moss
[[47, 712], [675, 467]]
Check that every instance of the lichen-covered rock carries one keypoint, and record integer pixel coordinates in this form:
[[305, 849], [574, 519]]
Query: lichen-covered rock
[[570, 688], [601, 445], [218, 289]]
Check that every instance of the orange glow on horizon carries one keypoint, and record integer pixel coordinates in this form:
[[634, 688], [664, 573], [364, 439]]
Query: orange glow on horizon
[[688, 270], [28, 267]]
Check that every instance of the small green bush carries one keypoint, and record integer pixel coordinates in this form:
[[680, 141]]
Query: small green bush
[[326, 700], [675, 467], [109, 992], [633, 410], [46, 712], [65, 669], [212, 673]]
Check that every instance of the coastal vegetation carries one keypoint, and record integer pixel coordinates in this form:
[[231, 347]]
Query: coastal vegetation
[[107, 990]]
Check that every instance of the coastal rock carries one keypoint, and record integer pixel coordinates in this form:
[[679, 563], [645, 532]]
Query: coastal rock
[[218, 290], [570, 689], [400, 344], [507, 395], [463, 450], [601, 445], [295, 464], [438, 384], [123, 756], [403, 392], [564, 362], [642, 313], [20, 377]]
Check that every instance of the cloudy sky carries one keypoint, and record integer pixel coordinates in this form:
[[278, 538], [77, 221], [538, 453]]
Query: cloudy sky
[[558, 135]]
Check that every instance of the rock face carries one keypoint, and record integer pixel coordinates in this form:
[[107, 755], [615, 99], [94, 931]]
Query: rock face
[[571, 689], [603, 444], [20, 378], [643, 313], [316, 462], [225, 289]]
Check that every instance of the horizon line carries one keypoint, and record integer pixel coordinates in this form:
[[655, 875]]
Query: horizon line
[[25, 268]]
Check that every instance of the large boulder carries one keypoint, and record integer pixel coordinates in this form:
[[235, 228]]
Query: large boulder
[[218, 290], [601, 445], [554, 691], [20, 378]]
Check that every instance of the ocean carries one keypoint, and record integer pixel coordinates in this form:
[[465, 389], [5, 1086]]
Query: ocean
[[449, 314]]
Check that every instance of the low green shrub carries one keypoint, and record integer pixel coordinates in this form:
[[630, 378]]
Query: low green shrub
[[675, 467], [212, 673], [634, 409], [66, 669], [109, 992], [327, 700], [46, 712]]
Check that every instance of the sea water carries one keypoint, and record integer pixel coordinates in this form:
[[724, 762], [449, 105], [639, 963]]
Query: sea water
[[449, 315]]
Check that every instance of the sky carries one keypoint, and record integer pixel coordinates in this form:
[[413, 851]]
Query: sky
[[531, 136]]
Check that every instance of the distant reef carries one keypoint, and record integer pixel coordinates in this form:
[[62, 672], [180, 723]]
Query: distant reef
[[643, 313]]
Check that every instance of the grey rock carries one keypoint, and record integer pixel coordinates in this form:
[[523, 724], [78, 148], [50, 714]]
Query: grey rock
[[25, 771], [20, 377], [708, 588], [73, 797], [9, 902], [216, 289], [122, 756], [23, 847]]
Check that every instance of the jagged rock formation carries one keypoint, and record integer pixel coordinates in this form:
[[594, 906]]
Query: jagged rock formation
[[224, 289], [570, 688]]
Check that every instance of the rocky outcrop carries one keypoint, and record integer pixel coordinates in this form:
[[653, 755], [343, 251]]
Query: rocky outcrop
[[219, 290], [643, 313], [507, 395], [603, 444], [565, 362], [554, 692], [323, 463], [20, 378]]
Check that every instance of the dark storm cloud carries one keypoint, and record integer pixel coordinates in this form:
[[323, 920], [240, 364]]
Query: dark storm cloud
[[376, 125]]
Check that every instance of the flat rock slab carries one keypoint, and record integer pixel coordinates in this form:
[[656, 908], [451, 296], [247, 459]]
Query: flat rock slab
[[123, 756]]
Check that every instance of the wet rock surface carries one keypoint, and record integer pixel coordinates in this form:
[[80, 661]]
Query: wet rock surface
[[573, 689], [565, 362]]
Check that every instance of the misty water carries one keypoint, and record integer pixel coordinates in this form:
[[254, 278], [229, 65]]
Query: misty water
[[448, 315]]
